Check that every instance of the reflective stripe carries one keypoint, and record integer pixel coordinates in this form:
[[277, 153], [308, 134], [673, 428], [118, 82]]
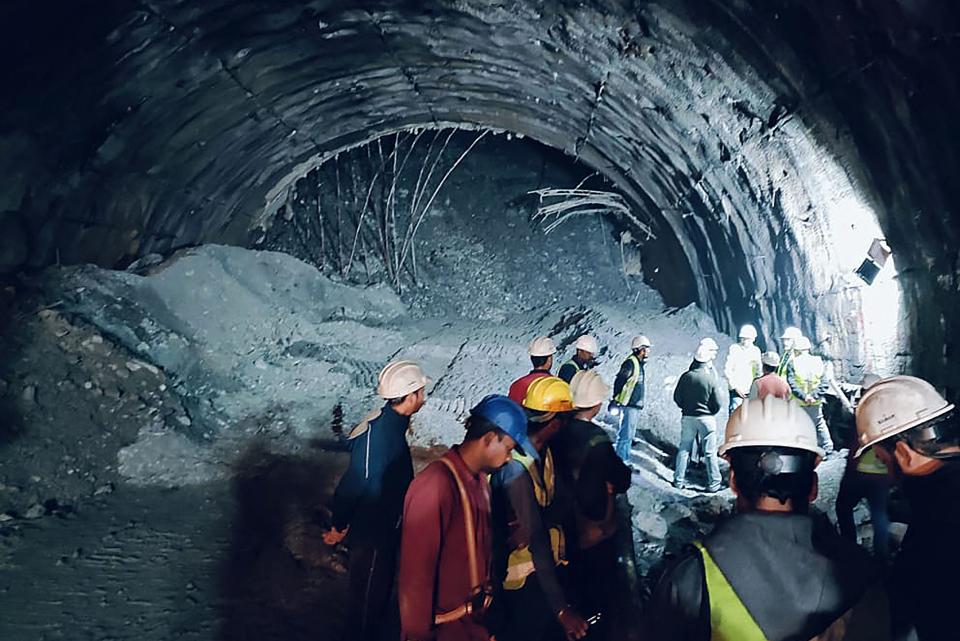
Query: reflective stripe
[[868, 463], [808, 372], [627, 391], [729, 618], [520, 562]]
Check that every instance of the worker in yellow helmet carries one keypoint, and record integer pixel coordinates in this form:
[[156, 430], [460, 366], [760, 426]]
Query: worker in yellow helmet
[[772, 572], [528, 529]]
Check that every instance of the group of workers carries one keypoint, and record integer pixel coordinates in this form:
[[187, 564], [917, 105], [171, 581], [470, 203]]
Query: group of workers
[[510, 534]]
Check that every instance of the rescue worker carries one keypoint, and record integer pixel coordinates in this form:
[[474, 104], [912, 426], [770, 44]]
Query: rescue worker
[[808, 380], [770, 383], [915, 432], [698, 395], [771, 572], [595, 473], [541, 351], [789, 338], [368, 501], [587, 349], [867, 478], [742, 366], [444, 583], [528, 517], [628, 393]]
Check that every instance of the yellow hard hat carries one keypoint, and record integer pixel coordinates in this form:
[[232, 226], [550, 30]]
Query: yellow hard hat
[[772, 422], [549, 394]]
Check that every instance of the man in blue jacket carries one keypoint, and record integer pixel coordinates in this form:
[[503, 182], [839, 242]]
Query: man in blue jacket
[[368, 501]]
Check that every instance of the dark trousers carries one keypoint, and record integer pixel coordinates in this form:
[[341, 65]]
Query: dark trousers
[[373, 612], [855, 487], [594, 573], [525, 615]]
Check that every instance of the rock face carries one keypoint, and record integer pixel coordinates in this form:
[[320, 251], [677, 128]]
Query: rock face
[[739, 131]]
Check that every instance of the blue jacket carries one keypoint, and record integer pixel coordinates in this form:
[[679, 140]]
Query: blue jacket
[[369, 497]]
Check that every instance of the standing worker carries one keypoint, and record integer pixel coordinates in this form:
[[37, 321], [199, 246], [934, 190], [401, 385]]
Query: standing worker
[[587, 349], [771, 383], [628, 392], [698, 395], [595, 473], [789, 338], [742, 366], [808, 380], [528, 520], [915, 432], [368, 501], [541, 351], [444, 583], [771, 572]]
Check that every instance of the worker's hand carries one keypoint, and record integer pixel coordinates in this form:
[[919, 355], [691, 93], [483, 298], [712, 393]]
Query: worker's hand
[[334, 536], [810, 399], [573, 624]]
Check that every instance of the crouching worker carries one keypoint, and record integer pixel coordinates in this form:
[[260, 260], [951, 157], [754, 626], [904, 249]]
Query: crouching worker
[[444, 584], [771, 572]]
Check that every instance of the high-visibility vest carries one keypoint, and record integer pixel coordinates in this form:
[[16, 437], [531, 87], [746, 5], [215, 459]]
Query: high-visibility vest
[[808, 371], [729, 618], [627, 391], [785, 361], [520, 561]]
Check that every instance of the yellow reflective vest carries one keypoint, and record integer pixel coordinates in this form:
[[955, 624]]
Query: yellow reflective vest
[[729, 618]]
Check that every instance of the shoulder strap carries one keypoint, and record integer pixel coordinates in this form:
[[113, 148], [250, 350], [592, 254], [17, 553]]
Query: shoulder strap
[[468, 525]]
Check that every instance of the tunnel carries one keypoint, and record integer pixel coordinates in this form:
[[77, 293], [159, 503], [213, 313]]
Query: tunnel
[[221, 219]]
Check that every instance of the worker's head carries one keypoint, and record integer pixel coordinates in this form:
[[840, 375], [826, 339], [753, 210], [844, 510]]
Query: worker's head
[[589, 392], [496, 426], [403, 385], [772, 449], [541, 351], [641, 346], [547, 403], [789, 337], [706, 351], [770, 362], [802, 345], [747, 335], [915, 430], [587, 348]]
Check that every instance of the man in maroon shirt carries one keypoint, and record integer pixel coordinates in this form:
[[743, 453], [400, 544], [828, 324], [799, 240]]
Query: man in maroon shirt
[[541, 351], [770, 383], [446, 548]]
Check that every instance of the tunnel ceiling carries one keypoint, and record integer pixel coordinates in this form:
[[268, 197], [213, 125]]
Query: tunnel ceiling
[[143, 127]]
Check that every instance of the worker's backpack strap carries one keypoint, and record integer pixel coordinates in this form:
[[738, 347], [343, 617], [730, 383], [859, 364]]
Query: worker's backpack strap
[[729, 618], [468, 525]]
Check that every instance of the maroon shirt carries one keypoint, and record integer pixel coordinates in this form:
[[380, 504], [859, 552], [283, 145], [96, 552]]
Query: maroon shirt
[[518, 389], [769, 384], [434, 575]]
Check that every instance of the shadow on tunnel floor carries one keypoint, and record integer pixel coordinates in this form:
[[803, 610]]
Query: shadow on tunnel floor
[[279, 581]]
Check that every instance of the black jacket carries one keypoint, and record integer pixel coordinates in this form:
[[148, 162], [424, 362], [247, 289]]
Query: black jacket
[[586, 461], [698, 392], [792, 572], [626, 373], [569, 369], [369, 497]]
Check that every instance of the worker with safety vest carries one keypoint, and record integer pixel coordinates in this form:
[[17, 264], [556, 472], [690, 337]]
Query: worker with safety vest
[[368, 501], [915, 432], [742, 366], [628, 393], [541, 351], [789, 338], [585, 357], [809, 381], [699, 396], [529, 512], [771, 383], [867, 478], [588, 464], [444, 584], [771, 572]]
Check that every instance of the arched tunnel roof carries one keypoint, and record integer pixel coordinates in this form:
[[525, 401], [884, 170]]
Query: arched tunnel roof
[[735, 128]]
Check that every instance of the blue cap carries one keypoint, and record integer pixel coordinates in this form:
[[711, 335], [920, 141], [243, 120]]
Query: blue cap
[[509, 417]]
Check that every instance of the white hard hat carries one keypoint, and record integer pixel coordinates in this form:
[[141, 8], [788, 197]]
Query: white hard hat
[[791, 333], [770, 359], [802, 344], [400, 378], [748, 331], [709, 343], [704, 354], [640, 342], [869, 380], [542, 346], [895, 405], [588, 389], [588, 344], [772, 422]]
